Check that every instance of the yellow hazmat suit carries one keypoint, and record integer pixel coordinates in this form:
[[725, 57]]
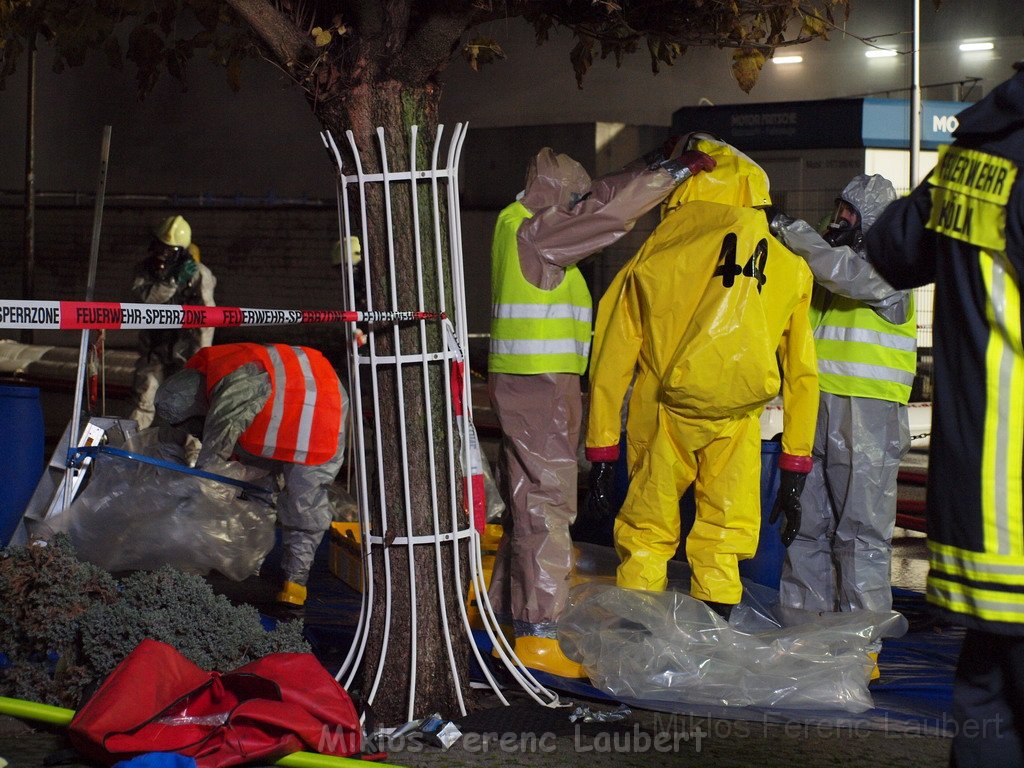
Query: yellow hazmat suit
[[704, 314]]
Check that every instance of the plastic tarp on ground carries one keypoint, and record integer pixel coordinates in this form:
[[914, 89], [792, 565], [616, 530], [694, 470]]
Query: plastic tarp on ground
[[667, 646], [138, 516], [912, 696]]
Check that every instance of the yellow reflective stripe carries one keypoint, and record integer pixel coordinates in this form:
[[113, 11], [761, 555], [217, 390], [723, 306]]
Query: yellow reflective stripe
[[854, 386], [539, 347], [977, 174], [881, 373], [976, 566], [992, 605], [1004, 403], [519, 328]]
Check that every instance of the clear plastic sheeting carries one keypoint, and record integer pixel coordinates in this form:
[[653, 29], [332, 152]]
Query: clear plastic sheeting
[[137, 516], [669, 647], [343, 507], [495, 505]]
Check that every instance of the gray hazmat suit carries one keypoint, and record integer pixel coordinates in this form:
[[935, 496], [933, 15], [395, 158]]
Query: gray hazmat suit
[[840, 559], [164, 352]]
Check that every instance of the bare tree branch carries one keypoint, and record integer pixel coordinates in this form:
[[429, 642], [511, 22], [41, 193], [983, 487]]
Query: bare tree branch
[[868, 41], [429, 48], [273, 29]]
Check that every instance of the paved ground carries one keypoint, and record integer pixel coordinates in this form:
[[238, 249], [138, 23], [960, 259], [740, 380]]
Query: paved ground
[[522, 737]]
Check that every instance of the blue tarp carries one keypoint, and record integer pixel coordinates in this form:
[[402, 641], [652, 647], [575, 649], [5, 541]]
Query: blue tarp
[[913, 695]]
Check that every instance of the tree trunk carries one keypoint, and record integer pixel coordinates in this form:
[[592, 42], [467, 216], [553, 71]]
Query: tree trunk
[[396, 107]]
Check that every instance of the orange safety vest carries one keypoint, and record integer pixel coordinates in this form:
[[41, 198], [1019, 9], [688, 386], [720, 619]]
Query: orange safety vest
[[301, 421]]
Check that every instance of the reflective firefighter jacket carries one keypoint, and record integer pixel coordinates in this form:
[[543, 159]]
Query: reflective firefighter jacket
[[963, 228]]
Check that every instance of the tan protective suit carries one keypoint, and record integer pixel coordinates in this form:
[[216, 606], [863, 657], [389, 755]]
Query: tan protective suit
[[540, 413], [705, 314]]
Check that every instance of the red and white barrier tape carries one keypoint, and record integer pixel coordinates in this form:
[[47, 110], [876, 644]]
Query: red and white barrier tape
[[82, 315], [473, 475]]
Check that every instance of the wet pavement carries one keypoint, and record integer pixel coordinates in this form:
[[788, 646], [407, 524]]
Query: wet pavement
[[520, 736]]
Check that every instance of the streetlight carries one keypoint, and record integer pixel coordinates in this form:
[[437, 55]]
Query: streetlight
[[915, 99]]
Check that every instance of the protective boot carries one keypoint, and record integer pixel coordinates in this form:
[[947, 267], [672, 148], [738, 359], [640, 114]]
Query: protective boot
[[508, 633], [875, 673], [543, 654], [291, 594]]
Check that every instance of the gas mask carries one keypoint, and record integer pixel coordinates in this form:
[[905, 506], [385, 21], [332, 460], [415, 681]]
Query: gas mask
[[844, 229], [841, 233], [165, 259]]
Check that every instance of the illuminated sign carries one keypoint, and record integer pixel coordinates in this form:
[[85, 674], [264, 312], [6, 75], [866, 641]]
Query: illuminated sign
[[827, 123]]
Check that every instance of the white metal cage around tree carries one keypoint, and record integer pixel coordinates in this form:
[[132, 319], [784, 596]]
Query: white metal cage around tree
[[409, 221]]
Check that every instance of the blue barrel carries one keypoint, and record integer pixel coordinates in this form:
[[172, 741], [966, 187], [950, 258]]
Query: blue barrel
[[21, 415], [765, 567]]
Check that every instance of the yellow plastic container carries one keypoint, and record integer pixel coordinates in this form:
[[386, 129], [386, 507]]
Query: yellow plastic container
[[488, 550], [346, 554]]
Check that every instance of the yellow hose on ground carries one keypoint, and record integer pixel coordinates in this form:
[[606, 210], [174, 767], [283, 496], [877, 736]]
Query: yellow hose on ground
[[30, 710], [45, 713]]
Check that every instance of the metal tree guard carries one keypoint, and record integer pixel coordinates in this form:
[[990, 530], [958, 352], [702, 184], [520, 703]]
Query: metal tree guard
[[442, 183]]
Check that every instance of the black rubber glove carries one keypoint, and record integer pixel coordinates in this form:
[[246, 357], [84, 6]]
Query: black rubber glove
[[787, 503], [602, 490]]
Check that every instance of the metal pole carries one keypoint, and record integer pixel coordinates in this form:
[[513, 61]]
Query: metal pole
[[29, 266], [915, 100], [90, 286]]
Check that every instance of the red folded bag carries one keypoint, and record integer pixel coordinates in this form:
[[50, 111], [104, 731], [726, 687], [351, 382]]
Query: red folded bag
[[156, 700]]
